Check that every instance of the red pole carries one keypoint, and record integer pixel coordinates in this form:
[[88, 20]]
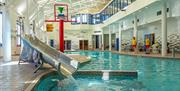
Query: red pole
[[61, 35]]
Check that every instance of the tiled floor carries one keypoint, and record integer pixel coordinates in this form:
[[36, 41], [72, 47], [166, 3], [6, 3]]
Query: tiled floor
[[14, 77]]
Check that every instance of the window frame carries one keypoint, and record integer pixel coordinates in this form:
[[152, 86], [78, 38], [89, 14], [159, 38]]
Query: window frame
[[19, 29], [1, 29]]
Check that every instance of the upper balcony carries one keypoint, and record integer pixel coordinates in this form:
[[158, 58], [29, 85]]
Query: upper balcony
[[109, 10]]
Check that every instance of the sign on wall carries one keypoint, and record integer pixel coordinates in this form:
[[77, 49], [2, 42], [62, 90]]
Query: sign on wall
[[49, 27]]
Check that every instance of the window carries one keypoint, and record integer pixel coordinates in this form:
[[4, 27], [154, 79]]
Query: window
[[78, 19], [73, 19], [84, 18], [19, 26], [111, 9], [98, 18], [0, 29], [93, 19]]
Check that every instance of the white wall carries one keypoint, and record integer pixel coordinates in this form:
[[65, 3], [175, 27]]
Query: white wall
[[155, 27], [127, 34], [1, 52], [73, 35], [137, 5], [175, 6], [149, 22], [76, 35]]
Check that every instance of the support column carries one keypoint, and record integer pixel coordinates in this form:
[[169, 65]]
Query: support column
[[61, 35], [110, 47], [178, 22], [135, 32], [120, 37], [6, 35], [38, 29], [164, 29], [102, 40], [27, 25], [100, 43], [135, 27]]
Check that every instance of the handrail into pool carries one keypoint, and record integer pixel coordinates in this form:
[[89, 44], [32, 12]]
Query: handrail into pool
[[36, 50]]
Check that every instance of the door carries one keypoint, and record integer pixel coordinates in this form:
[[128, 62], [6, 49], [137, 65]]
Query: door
[[86, 45], [117, 44], [93, 41], [97, 41], [83, 45], [67, 44]]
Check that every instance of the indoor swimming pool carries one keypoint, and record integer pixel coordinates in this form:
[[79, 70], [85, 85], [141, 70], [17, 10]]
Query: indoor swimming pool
[[154, 74]]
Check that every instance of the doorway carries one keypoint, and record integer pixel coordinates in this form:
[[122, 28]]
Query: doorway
[[83, 44], [67, 44], [96, 41]]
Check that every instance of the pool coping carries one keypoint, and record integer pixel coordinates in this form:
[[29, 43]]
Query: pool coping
[[131, 54], [146, 56], [137, 55], [31, 86], [36, 80]]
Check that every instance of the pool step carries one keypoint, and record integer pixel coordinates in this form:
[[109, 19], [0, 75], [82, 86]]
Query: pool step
[[105, 75]]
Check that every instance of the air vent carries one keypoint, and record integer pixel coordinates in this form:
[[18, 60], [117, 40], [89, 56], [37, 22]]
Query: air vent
[[137, 21], [158, 13]]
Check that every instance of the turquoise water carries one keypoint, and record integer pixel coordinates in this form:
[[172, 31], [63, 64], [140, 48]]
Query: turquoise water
[[90, 83], [153, 74]]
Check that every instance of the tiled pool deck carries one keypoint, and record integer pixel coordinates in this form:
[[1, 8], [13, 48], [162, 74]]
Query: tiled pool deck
[[14, 77]]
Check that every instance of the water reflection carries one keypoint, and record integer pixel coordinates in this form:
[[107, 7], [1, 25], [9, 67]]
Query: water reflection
[[155, 74]]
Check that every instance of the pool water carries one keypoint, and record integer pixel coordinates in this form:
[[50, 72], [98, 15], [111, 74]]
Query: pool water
[[89, 83], [154, 74]]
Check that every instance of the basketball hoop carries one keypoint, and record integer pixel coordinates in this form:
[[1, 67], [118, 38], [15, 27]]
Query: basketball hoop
[[60, 16]]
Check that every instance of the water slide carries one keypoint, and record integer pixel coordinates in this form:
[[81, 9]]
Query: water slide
[[38, 52]]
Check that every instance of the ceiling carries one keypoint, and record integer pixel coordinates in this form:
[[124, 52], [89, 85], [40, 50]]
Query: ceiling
[[75, 6], [37, 9]]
